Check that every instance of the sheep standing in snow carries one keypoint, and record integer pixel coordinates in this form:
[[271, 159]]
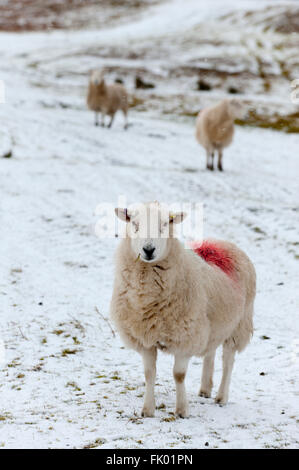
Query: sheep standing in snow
[[106, 99], [215, 128], [183, 302]]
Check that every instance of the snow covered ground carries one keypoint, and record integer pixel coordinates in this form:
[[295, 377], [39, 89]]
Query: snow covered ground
[[65, 380]]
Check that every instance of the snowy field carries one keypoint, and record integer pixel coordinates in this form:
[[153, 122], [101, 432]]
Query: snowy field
[[65, 379]]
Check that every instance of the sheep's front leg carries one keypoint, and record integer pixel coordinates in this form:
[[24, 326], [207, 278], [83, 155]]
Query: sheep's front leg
[[103, 119], [228, 360], [149, 357], [208, 160], [179, 373], [96, 120], [207, 375], [220, 154]]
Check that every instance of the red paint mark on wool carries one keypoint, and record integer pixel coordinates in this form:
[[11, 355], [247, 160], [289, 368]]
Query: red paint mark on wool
[[215, 254]]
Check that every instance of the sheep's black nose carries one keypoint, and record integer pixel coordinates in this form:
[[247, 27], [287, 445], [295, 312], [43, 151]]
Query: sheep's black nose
[[149, 250]]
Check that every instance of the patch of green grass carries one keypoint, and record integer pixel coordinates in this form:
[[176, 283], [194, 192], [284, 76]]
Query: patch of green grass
[[74, 386], [98, 442], [57, 332], [14, 363], [288, 123], [169, 419], [67, 352], [7, 154], [161, 407], [259, 230], [5, 416]]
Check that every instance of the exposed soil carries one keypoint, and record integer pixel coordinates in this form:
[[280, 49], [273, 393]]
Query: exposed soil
[[40, 15], [282, 19]]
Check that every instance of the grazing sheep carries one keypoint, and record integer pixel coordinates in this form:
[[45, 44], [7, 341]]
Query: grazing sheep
[[215, 128], [185, 302], [107, 99]]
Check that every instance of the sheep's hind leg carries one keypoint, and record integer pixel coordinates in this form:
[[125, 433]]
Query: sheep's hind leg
[[149, 357], [210, 158], [126, 125], [207, 375], [179, 373], [220, 154], [111, 121], [103, 119], [96, 120], [228, 359]]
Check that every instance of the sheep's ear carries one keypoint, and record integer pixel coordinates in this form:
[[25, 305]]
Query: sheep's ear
[[177, 217], [122, 214]]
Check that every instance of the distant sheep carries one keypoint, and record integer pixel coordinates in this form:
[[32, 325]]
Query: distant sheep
[[185, 302], [106, 99], [215, 128]]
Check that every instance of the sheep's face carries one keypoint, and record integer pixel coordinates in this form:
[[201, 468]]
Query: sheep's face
[[237, 109], [97, 79], [149, 228]]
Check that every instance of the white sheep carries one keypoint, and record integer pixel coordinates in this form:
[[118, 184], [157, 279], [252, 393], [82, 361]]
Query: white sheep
[[106, 99], [215, 128], [185, 302]]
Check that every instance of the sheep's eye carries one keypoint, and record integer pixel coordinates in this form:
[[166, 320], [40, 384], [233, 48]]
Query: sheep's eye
[[163, 227], [135, 226]]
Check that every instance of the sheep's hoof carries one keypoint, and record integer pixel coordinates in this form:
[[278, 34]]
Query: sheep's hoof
[[181, 413], [204, 394], [221, 400], [211, 168], [147, 412], [220, 168]]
